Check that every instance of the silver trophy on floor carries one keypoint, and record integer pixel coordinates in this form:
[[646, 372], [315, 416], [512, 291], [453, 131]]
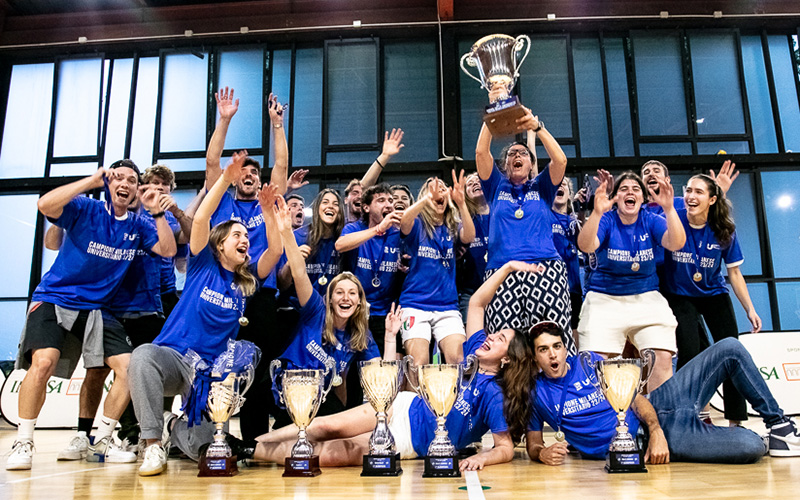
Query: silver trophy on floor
[[381, 380], [440, 386], [621, 380]]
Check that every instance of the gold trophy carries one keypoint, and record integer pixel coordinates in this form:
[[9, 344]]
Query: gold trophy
[[620, 380], [302, 391], [381, 380], [440, 386], [495, 56]]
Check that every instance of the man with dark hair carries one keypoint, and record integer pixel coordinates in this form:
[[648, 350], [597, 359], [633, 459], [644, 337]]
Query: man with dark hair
[[296, 204], [566, 398]]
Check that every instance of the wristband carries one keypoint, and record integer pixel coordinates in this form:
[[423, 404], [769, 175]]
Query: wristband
[[379, 162], [277, 125], [157, 215], [541, 124]]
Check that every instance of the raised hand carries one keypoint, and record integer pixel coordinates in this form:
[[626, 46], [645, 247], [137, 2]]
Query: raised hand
[[602, 203], [99, 176], [276, 110], [433, 190], [282, 217], [457, 192], [226, 106], [392, 143], [665, 196], [267, 197], [150, 198], [296, 180], [726, 175], [233, 170], [166, 202], [394, 320], [528, 121], [391, 219]]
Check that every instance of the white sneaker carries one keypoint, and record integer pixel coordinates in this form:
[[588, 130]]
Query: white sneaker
[[106, 450], [155, 461], [77, 448], [21, 456], [166, 432]]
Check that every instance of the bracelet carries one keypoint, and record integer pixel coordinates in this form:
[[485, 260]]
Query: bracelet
[[379, 162], [157, 215], [541, 124], [277, 125]]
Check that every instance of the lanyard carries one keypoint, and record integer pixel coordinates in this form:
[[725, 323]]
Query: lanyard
[[560, 413], [376, 261], [697, 276]]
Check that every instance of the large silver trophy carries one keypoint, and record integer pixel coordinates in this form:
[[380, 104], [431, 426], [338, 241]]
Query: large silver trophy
[[621, 380], [381, 380], [495, 57], [302, 391], [440, 386]]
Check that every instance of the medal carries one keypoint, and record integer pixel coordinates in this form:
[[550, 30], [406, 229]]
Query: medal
[[519, 213], [635, 266], [559, 436], [323, 281], [337, 380], [697, 276], [244, 321], [376, 282], [486, 257]]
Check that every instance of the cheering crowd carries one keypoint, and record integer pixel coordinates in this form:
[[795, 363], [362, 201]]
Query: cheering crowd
[[508, 263]]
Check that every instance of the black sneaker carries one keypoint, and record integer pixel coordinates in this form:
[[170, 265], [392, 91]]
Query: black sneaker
[[784, 440]]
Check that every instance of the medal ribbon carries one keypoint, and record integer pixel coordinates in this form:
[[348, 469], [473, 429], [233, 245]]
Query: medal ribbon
[[695, 253], [560, 413], [375, 262]]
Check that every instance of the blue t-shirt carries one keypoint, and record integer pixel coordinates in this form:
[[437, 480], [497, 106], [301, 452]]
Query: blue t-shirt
[[529, 238], [209, 310], [680, 266], [308, 351], [376, 258], [587, 420], [431, 281], [620, 244], [98, 250], [655, 208], [326, 261], [472, 266], [477, 410], [565, 238], [168, 263], [140, 291], [248, 213]]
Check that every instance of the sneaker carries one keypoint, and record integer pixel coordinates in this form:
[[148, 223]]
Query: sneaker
[[166, 432], [784, 440], [21, 456], [106, 450], [705, 417], [77, 448], [128, 444], [155, 461]]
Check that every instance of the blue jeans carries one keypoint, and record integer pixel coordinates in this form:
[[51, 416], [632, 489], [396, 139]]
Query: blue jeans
[[678, 401]]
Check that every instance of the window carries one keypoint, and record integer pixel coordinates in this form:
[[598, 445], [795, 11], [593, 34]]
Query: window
[[590, 96], [544, 84], [352, 92], [183, 103], [758, 99], [717, 90], [782, 201], [618, 98], [785, 87], [78, 107], [306, 144], [243, 71], [659, 85]]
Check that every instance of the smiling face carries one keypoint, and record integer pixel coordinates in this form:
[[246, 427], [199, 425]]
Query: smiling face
[[698, 198], [233, 248], [550, 355], [379, 207], [563, 195], [518, 164], [401, 199], [328, 208], [345, 299], [629, 198], [473, 187], [123, 185], [651, 173], [442, 199], [353, 201], [494, 350], [296, 207], [249, 182]]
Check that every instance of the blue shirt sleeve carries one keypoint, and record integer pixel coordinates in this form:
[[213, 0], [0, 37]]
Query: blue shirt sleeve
[[547, 190], [656, 224], [604, 228], [490, 185], [371, 352], [536, 422], [495, 418], [732, 254], [474, 342], [71, 213]]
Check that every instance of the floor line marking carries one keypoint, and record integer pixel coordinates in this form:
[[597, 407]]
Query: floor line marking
[[474, 488], [80, 471]]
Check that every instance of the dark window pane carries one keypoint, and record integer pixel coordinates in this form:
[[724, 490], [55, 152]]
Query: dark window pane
[[352, 158], [77, 108], [410, 97], [144, 113], [118, 111], [782, 200], [618, 97], [541, 153], [590, 95], [20, 221], [665, 149], [183, 103], [783, 71], [717, 90], [352, 92], [730, 147], [243, 71], [789, 305], [755, 77], [659, 84], [544, 84], [27, 124], [759, 295], [307, 127]]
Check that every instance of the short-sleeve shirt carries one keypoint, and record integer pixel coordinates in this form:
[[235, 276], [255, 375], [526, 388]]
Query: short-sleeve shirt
[[529, 238], [209, 310], [656, 209], [375, 258], [96, 254], [620, 246], [477, 410], [702, 253], [565, 238], [140, 291], [472, 266], [431, 281], [587, 420], [168, 263]]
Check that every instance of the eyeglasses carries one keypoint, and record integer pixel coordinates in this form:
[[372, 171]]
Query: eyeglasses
[[518, 152]]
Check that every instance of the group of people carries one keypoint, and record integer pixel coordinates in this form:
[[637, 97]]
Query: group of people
[[489, 266]]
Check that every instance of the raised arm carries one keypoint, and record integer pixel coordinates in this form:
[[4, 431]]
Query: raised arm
[[52, 203], [392, 144], [54, 238], [483, 153], [281, 149], [558, 160], [166, 245], [483, 295], [740, 289], [296, 262], [351, 241], [675, 237], [467, 232], [392, 325], [202, 219], [726, 176], [269, 259], [657, 449], [410, 214], [587, 238], [227, 107]]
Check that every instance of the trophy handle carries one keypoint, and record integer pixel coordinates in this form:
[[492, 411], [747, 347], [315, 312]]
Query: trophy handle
[[589, 368], [468, 58], [517, 48], [276, 365], [330, 367], [471, 363], [648, 362]]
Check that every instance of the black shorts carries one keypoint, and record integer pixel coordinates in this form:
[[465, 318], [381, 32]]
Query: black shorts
[[42, 331]]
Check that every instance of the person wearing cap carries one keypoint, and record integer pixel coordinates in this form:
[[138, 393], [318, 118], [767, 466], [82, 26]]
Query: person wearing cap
[[65, 317]]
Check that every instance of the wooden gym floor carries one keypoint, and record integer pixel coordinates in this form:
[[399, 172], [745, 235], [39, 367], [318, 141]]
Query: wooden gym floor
[[52, 480]]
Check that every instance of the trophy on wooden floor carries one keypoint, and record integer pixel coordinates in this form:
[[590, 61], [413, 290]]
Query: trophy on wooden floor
[[381, 380], [620, 380], [302, 391], [495, 56], [440, 386]]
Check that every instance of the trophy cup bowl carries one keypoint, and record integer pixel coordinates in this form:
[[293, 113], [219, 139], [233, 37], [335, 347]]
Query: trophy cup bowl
[[495, 57], [381, 380], [224, 399], [302, 391], [621, 380], [439, 386]]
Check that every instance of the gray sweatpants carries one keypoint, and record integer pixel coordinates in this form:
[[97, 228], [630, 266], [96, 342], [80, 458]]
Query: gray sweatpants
[[154, 372]]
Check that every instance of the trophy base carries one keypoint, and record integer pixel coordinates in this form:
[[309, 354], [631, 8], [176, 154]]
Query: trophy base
[[302, 467], [382, 465], [217, 466], [441, 467], [501, 117], [625, 461]]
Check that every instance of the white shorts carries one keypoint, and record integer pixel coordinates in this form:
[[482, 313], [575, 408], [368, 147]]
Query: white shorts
[[419, 324], [608, 320], [400, 424]]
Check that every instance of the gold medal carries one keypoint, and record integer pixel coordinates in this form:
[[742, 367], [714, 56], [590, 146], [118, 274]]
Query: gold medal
[[697, 276], [244, 321], [635, 266], [560, 437], [486, 257], [322, 280], [376, 282], [519, 213]]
